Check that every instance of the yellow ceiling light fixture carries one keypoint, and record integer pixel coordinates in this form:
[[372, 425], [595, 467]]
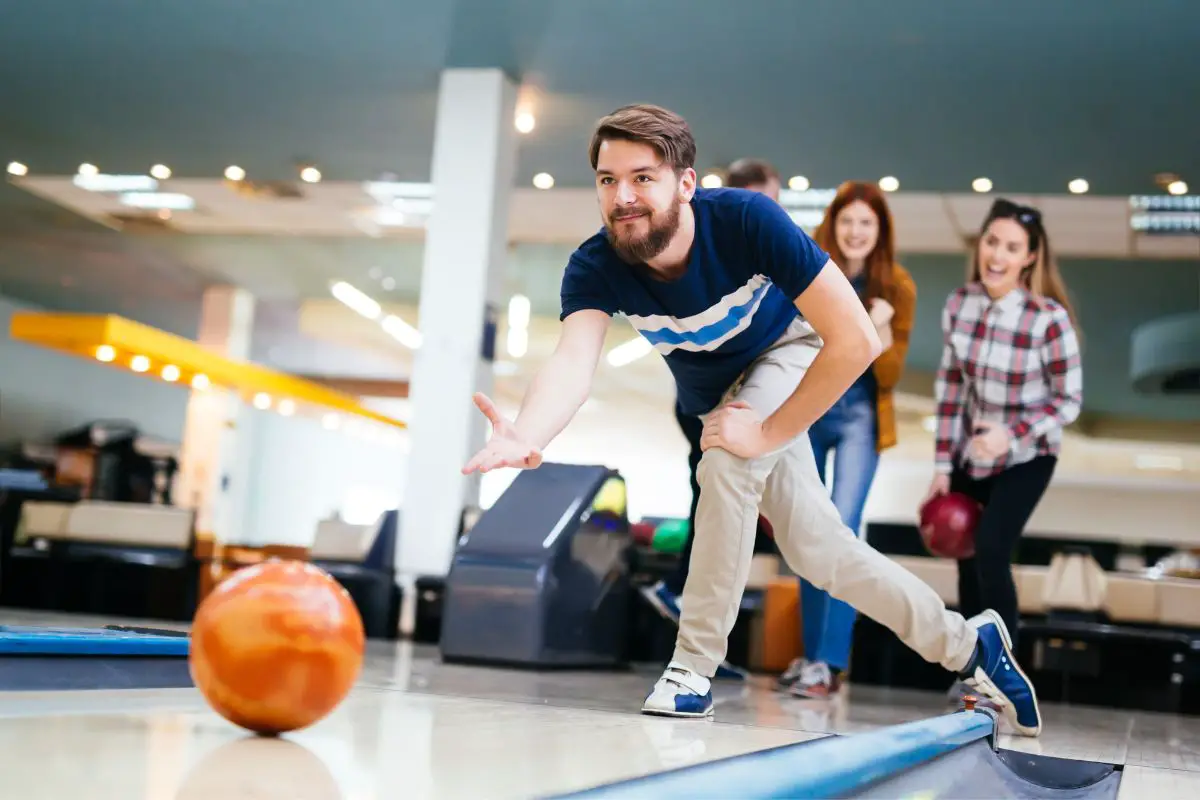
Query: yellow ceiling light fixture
[[131, 345]]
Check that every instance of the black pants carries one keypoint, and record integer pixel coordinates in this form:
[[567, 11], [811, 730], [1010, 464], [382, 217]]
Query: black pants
[[1008, 498], [692, 429]]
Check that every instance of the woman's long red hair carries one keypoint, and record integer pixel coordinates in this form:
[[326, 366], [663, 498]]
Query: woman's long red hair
[[879, 262]]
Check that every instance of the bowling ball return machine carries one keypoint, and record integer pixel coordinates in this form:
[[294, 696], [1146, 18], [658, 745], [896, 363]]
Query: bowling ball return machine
[[542, 579], [113, 657]]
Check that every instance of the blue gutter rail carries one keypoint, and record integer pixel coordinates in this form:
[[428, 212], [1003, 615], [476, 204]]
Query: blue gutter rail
[[830, 767], [37, 641]]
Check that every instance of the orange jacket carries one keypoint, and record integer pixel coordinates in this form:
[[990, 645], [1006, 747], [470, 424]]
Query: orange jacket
[[890, 365]]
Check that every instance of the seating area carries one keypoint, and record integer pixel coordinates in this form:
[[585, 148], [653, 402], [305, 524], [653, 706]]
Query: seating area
[[1101, 623], [122, 559]]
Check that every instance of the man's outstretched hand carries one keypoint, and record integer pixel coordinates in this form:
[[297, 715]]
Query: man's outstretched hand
[[505, 447]]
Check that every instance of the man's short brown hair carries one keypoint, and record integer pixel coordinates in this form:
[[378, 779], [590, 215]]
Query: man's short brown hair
[[665, 131], [750, 172]]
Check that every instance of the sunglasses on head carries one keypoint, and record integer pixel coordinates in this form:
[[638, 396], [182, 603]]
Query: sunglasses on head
[[1007, 209]]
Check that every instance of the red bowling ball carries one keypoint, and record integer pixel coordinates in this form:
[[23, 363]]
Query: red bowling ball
[[948, 525]]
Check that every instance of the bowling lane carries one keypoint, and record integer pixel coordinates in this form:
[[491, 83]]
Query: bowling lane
[[1070, 732], [167, 744], [415, 727]]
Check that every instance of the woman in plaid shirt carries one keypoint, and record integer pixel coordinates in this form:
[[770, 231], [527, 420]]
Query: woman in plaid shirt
[[1010, 380]]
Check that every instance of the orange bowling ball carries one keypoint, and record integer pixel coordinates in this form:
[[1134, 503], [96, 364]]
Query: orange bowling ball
[[276, 646]]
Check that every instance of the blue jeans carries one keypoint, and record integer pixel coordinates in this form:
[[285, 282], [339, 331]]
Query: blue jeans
[[849, 430]]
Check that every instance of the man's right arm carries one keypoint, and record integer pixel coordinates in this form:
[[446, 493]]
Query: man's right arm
[[564, 381]]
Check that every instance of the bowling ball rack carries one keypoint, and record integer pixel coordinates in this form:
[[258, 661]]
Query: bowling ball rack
[[113, 657]]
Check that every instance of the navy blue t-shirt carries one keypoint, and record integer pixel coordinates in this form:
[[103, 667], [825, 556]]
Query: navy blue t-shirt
[[748, 264], [864, 388]]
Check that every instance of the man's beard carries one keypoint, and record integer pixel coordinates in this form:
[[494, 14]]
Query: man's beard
[[636, 249]]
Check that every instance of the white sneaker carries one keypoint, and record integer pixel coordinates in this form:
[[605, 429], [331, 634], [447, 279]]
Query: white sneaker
[[791, 674], [680, 692], [816, 682]]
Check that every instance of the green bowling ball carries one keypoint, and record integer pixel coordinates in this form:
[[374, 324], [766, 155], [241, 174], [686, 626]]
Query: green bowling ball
[[670, 536]]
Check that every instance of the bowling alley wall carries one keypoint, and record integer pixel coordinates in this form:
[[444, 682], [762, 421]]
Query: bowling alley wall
[[297, 472], [300, 473], [651, 453]]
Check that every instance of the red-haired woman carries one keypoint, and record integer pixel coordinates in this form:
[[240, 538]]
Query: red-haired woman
[[858, 234]]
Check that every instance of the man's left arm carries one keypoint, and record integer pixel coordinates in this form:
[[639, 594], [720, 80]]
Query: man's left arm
[[828, 302], [851, 343]]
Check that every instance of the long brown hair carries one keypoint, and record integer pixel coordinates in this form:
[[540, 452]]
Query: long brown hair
[[879, 262], [1042, 278]]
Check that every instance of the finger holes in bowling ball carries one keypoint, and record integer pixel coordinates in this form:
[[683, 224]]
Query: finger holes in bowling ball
[[276, 646], [948, 523]]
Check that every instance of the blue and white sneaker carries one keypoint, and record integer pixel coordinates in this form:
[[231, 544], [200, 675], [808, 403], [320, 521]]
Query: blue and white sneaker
[[680, 692], [728, 672], [666, 603], [995, 674]]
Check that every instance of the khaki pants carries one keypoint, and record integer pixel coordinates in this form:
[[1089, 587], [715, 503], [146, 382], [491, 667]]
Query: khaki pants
[[808, 531]]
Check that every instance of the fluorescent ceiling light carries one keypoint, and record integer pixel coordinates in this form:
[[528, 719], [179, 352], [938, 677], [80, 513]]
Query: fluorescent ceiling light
[[630, 351], [115, 183], [356, 300], [518, 311], [402, 332], [384, 192], [1158, 461], [169, 200]]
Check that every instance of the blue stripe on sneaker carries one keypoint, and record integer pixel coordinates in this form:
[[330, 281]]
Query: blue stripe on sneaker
[[693, 703]]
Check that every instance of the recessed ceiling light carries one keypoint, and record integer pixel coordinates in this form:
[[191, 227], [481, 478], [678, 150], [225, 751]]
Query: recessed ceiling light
[[17, 168], [170, 373], [388, 283], [982, 185], [234, 173], [160, 171], [262, 401], [525, 122], [798, 183], [889, 183], [1077, 186], [543, 180], [310, 175], [1177, 187], [712, 181], [88, 170]]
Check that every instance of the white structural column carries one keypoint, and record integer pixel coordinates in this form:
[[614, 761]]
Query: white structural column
[[214, 473], [474, 157]]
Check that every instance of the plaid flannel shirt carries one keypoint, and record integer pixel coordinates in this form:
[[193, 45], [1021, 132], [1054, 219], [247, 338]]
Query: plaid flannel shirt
[[1013, 361]]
